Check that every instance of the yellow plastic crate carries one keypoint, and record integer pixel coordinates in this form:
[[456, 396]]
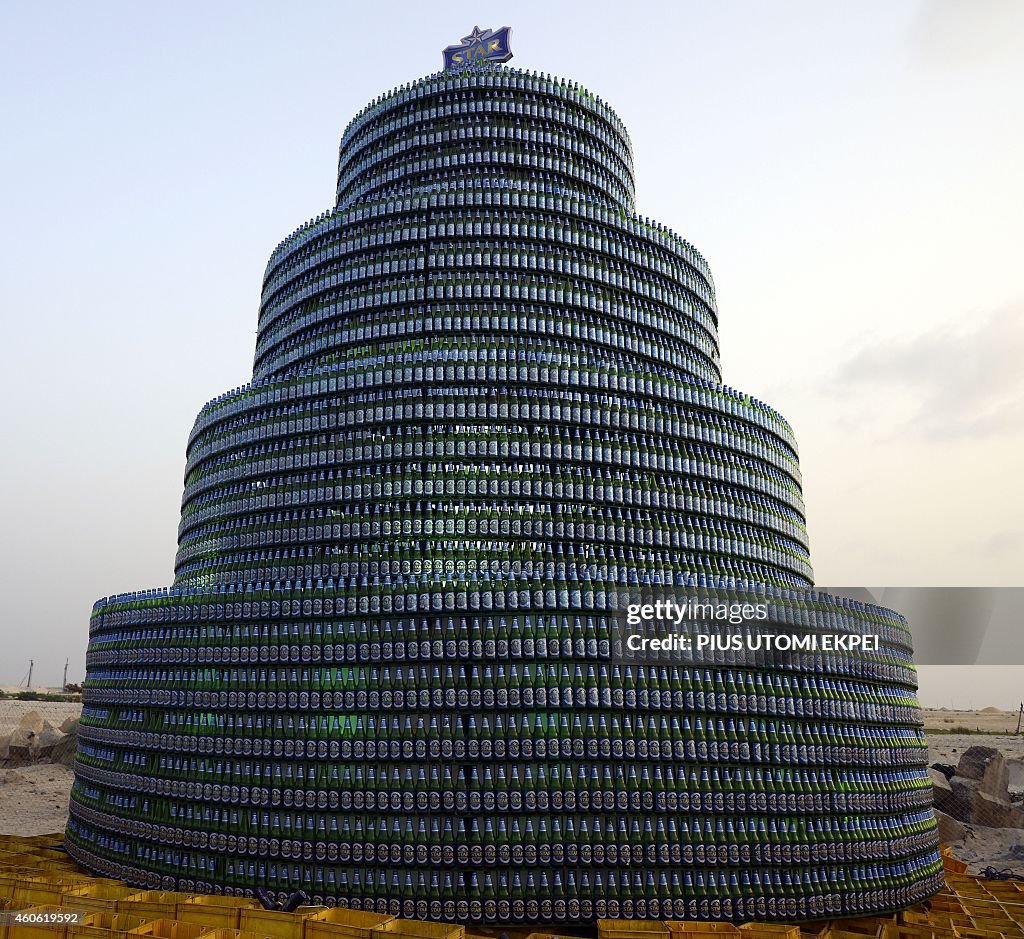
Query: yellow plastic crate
[[418, 929], [770, 931], [35, 842], [230, 934], [841, 930], [1009, 930], [96, 897], [947, 903], [104, 925], [608, 927], [12, 856], [169, 929], [707, 934], [342, 923], [995, 916], [87, 932], [685, 925], [8, 859], [152, 904], [987, 910], [913, 931], [626, 933], [36, 891], [214, 911], [973, 932], [277, 925], [1008, 890], [967, 888], [1003, 924], [1014, 911], [815, 930]]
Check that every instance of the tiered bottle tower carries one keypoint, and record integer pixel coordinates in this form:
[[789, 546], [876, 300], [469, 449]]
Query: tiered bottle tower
[[486, 402]]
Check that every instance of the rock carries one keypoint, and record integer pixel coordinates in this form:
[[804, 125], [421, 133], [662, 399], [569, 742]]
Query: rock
[[950, 829], [31, 722], [70, 725], [960, 802], [996, 778], [46, 739], [974, 760], [985, 764], [22, 747], [947, 769], [996, 813], [980, 798], [1015, 766], [941, 789], [65, 749], [5, 746]]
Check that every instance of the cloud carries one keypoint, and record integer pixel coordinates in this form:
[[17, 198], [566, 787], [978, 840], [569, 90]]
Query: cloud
[[965, 33], [1002, 543], [962, 380]]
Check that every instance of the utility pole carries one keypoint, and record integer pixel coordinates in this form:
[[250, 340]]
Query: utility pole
[[1020, 713], [31, 663], [63, 686]]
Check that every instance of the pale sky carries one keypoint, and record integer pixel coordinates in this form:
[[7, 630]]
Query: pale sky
[[850, 171]]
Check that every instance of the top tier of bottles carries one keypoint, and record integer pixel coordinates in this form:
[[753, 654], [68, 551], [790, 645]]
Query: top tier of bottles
[[488, 121]]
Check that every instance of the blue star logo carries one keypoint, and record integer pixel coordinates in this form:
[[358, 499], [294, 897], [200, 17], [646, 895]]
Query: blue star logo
[[481, 45]]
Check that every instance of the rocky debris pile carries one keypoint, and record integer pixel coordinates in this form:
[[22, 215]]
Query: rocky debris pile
[[36, 740], [977, 794], [1016, 768]]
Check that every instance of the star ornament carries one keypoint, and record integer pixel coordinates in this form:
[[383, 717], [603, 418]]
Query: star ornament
[[481, 45]]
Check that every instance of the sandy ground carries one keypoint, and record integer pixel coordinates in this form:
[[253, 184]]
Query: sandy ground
[[988, 721], [1001, 848], [34, 799]]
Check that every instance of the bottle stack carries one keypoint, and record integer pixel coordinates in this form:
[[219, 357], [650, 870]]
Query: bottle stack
[[487, 408]]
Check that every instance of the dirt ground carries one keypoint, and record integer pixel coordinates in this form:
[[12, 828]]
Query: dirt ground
[[34, 799], [988, 721]]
